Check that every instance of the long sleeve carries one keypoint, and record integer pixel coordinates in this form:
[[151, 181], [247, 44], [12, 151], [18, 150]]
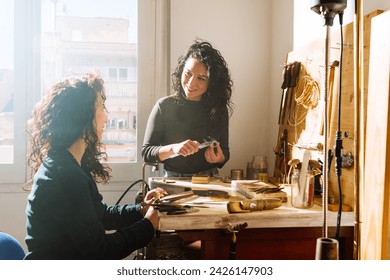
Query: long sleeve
[[171, 123], [153, 137], [66, 218]]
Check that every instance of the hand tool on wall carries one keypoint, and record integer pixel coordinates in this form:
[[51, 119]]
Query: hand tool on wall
[[332, 98], [281, 151], [290, 78], [295, 69], [284, 87]]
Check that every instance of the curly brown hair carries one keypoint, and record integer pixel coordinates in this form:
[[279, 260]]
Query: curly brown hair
[[219, 90], [64, 115]]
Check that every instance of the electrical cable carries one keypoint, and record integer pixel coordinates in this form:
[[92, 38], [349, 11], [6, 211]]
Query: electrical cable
[[339, 140], [123, 195], [127, 190]]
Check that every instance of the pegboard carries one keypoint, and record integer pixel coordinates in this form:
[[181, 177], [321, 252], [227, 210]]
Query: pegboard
[[303, 123]]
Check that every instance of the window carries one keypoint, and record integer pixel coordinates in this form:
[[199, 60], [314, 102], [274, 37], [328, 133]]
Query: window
[[63, 38], [6, 85], [102, 38], [123, 74], [12, 107]]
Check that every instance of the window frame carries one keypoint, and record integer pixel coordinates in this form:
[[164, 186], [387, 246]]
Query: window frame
[[16, 172], [152, 56]]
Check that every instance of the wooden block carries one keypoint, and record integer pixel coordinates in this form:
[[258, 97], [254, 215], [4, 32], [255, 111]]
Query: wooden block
[[200, 179]]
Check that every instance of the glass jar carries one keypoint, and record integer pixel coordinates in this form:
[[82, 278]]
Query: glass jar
[[260, 168], [302, 195]]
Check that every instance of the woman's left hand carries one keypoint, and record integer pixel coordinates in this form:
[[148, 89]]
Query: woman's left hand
[[154, 195], [151, 196], [214, 154]]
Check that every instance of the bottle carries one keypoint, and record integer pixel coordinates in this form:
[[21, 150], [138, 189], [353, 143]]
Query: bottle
[[260, 168], [295, 192]]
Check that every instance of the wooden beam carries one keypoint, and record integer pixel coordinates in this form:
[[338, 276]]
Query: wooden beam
[[375, 227]]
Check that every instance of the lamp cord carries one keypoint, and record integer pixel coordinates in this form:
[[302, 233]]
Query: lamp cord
[[339, 140], [127, 190]]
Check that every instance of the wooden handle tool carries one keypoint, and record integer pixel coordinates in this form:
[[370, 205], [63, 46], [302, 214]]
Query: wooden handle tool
[[253, 205]]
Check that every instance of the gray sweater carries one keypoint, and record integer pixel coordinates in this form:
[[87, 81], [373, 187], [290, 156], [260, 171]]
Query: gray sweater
[[171, 123]]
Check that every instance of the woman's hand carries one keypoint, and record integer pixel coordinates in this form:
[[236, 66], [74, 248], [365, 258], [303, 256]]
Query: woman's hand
[[154, 194], [149, 212], [186, 148], [152, 215], [214, 153]]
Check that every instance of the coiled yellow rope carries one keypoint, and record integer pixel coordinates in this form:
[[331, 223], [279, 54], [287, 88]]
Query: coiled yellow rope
[[307, 92]]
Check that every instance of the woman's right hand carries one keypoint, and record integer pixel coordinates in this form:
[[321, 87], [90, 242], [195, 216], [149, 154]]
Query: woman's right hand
[[152, 215], [186, 148]]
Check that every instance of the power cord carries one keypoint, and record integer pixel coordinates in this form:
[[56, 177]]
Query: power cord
[[339, 140], [128, 189]]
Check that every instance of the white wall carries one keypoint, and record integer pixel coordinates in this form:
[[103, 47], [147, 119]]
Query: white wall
[[241, 30], [308, 25], [281, 43], [12, 206]]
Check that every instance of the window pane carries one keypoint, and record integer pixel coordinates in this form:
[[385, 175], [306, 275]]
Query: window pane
[[112, 74], [7, 82], [100, 36]]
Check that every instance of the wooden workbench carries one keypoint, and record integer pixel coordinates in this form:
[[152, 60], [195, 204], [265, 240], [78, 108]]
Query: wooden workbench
[[282, 233]]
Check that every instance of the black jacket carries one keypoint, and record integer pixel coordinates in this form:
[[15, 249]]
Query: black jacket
[[66, 218]]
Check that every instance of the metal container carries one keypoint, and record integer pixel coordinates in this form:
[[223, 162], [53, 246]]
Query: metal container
[[236, 174]]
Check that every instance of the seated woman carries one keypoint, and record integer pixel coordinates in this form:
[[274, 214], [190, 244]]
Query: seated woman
[[66, 215]]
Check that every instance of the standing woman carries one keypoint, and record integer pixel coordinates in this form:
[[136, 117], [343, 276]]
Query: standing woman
[[66, 218], [199, 109]]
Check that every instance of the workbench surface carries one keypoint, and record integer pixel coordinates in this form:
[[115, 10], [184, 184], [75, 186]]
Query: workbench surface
[[214, 215]]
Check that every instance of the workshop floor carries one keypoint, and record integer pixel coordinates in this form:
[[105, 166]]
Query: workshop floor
[[169, 246]]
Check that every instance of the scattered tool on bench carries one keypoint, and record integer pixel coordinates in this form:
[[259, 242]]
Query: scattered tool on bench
[[173, 209], [250, 205]]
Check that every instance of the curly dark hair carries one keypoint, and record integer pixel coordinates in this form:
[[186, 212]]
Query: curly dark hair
[[64, 115], [219, 90]]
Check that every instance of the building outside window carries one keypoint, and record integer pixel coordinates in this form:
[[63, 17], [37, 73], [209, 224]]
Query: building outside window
[[100, 38], [45, 41]]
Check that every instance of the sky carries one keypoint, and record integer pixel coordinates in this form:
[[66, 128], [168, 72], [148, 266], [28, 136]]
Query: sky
[[87, 8]]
